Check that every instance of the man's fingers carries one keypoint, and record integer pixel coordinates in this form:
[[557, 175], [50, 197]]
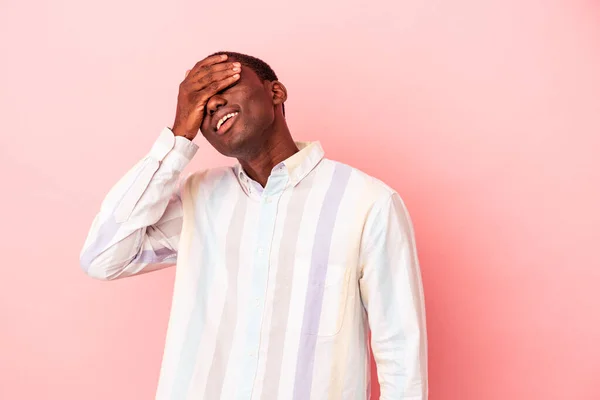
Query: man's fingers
[[216, 86], [215, 69], [205, 71], [217, 74], [224, 83], [187, 72], [207, 62]]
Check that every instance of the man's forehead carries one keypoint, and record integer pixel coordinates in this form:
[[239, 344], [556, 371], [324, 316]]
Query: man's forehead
[[248, 72]]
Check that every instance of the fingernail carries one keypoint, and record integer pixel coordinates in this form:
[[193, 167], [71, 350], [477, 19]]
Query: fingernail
[[237, 64], [236, 69]]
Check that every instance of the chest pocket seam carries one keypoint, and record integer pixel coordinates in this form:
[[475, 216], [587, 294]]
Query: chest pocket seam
[[335, 289]]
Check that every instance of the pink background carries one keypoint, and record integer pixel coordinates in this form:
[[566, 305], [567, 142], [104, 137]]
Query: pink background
[[484, 115]]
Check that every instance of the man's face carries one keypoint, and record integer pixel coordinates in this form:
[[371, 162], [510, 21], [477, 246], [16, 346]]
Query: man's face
[[251, 102]]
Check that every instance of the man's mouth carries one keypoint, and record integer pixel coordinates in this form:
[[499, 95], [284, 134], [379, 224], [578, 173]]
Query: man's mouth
[[225, 122]]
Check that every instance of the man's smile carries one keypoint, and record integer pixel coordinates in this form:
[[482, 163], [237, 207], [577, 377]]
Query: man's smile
[[223, 119], [225, 122]]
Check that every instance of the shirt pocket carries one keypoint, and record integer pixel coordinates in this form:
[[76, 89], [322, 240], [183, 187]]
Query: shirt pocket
[[327, 299]]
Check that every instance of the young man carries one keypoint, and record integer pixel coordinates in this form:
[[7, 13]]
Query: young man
[[284, 261]]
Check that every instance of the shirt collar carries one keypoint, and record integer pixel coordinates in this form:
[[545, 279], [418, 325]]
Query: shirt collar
[[297, 166]]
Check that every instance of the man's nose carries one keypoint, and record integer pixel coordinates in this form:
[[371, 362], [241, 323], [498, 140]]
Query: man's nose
[[214, 103]]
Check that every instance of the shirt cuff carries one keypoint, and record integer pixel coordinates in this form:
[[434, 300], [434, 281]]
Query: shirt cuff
[[177, 151]]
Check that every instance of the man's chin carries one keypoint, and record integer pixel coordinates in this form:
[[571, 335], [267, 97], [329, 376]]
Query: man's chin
[[234, 144]]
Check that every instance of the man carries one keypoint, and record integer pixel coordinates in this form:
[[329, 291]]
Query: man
[[284, 261]]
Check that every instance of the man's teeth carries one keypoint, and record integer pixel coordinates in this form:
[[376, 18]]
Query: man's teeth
[[225, 118]]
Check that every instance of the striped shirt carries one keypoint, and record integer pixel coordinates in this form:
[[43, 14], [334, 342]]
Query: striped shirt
[[276, 288]]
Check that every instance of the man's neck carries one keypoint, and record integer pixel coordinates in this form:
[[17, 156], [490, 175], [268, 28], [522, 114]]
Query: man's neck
[[278, 149]]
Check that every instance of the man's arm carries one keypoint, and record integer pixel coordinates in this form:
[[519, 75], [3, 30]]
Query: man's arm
[[138, 227], [392, 293]]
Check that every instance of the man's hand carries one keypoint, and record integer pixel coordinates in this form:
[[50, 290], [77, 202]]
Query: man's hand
[[207, 78]]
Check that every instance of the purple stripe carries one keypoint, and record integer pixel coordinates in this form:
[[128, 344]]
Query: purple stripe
[[106, 233], [317, 274], [152, 257]]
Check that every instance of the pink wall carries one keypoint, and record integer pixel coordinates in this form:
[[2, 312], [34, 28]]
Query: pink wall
[[485, 115]]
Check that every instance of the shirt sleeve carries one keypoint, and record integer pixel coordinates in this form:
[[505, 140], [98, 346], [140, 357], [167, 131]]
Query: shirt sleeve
[[392, 294], [138, 226]]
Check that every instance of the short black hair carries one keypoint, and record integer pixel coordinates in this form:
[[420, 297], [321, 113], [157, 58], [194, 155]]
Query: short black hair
[[260, 68]]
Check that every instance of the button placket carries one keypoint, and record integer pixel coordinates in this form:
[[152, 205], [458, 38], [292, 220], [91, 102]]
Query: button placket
[[268, 197]]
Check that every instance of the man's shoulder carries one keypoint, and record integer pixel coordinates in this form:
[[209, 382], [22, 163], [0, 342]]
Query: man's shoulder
[[208, 178], [361, 181]]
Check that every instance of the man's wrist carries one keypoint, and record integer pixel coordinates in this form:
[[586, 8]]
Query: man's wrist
[[177, 132]]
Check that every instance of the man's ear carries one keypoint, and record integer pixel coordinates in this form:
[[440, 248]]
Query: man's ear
[[279, 92]]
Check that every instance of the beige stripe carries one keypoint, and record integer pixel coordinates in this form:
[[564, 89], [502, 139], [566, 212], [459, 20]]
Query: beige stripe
[[216, 375], [283, 287], [352, 322], [341, 350]]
